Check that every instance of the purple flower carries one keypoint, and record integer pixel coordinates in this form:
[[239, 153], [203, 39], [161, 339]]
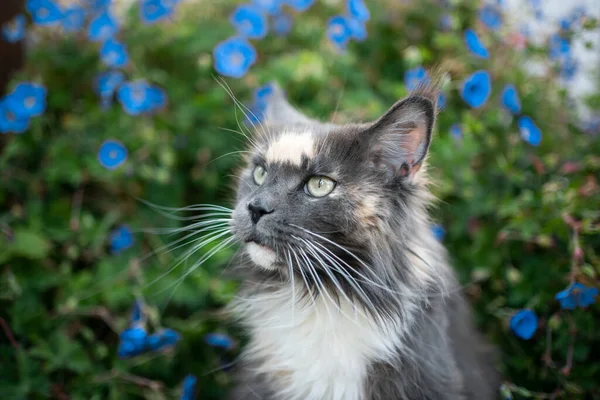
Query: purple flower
[[524, 324], [233, 57], [474, 44], [476, 89]]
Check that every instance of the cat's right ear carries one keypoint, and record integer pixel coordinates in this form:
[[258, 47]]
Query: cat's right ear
[[278, 111]]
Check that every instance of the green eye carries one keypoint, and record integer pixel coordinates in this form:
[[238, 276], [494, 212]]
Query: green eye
[[320, 186], [259, 174]]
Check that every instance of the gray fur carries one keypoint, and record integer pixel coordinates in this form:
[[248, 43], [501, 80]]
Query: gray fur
[[442, 355]]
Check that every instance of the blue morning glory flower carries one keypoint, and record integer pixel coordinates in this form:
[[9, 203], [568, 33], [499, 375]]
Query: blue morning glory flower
[[9, 122], [103, 27], [152, 11], [262, 93], [358, 10], [491, 17], [415, 77], [107, 83], [219, 340], [27, 100], [476, 89], [137, 314], [139, 97], [441, 102], [162, 340], [114, 54], [568, 68], [73, 19], [249, 21], [45, 12], [112, 154], [121, 238], [271, 7], [510, 99], [575, 295], [299, 5], [338, 31], [132, 342], [438, 231], [474, 44], [524, 324], [358, 29], [456, 131], [558, 47], [14, 30], [529, 131], [233, 57], [282, 24], [189, 388]]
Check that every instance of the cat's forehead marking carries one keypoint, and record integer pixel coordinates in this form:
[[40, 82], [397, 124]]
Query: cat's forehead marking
[[289, 147]]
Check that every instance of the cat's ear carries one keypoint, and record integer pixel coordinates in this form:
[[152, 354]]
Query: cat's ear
[[278, 111], [399, 140]]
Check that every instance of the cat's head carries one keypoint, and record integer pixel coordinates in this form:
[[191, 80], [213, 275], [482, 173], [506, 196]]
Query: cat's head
[[324, 200]]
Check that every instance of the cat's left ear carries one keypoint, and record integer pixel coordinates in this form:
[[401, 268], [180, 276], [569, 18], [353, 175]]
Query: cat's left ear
[[399, 140], [278, 111]]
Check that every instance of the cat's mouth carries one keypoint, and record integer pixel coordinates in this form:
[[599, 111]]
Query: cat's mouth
[[261, 255]]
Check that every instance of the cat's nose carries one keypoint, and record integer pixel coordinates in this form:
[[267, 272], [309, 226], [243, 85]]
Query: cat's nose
[[258, 207]]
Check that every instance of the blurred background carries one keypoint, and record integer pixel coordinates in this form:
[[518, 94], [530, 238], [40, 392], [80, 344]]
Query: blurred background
[[116, 115]]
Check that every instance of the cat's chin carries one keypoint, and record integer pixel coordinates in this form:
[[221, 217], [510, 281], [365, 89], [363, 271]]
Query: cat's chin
[[262, 256]]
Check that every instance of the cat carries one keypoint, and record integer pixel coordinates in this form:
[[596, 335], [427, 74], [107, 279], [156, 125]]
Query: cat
[[346, 294]]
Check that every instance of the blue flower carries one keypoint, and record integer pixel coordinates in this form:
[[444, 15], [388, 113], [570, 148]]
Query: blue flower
[[9, 122], [103, 27], [558, 47], [524, 324], [44, 12], [529, 131], [139, 97], [219, 340], [152, 11], [576, 295], [114, 54], [249, 21], [446, 22], [358, 29], [339, 31], [27, 100], [475, 45], [112, 154], [137, 314], [299, 5], [121, 238], [510, 99], [476, 89], [233, 57], [415, 77], [108, 82], [282, 24], [189, 388], [272, 7], [162, 340], [568, 68], [262, 93], [456, 131], [14, 30], [73, 19], [491, 17], [97, 6], [441, 102], [358, 10], [438, 231], [132, 342]]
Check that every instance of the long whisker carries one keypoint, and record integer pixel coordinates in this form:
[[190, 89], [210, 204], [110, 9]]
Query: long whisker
[[291, 272], [307, 284], [321, 290]]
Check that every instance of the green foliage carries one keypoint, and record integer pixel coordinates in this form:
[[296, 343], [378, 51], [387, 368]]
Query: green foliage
[[505, 204]]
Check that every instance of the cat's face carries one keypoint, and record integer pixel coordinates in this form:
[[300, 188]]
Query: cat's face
[[309, 190]]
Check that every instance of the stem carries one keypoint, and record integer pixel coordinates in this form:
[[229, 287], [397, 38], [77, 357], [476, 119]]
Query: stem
[[566, 370], [548, 353], [9, 334]]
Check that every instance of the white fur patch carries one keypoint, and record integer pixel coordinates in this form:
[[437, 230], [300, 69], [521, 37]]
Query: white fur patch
[[260, 255], [290, 147], [315, 351]]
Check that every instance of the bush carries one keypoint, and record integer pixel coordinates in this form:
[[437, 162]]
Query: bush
[[521, 219]]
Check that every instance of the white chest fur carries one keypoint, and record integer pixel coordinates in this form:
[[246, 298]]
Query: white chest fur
[[319, 351]]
